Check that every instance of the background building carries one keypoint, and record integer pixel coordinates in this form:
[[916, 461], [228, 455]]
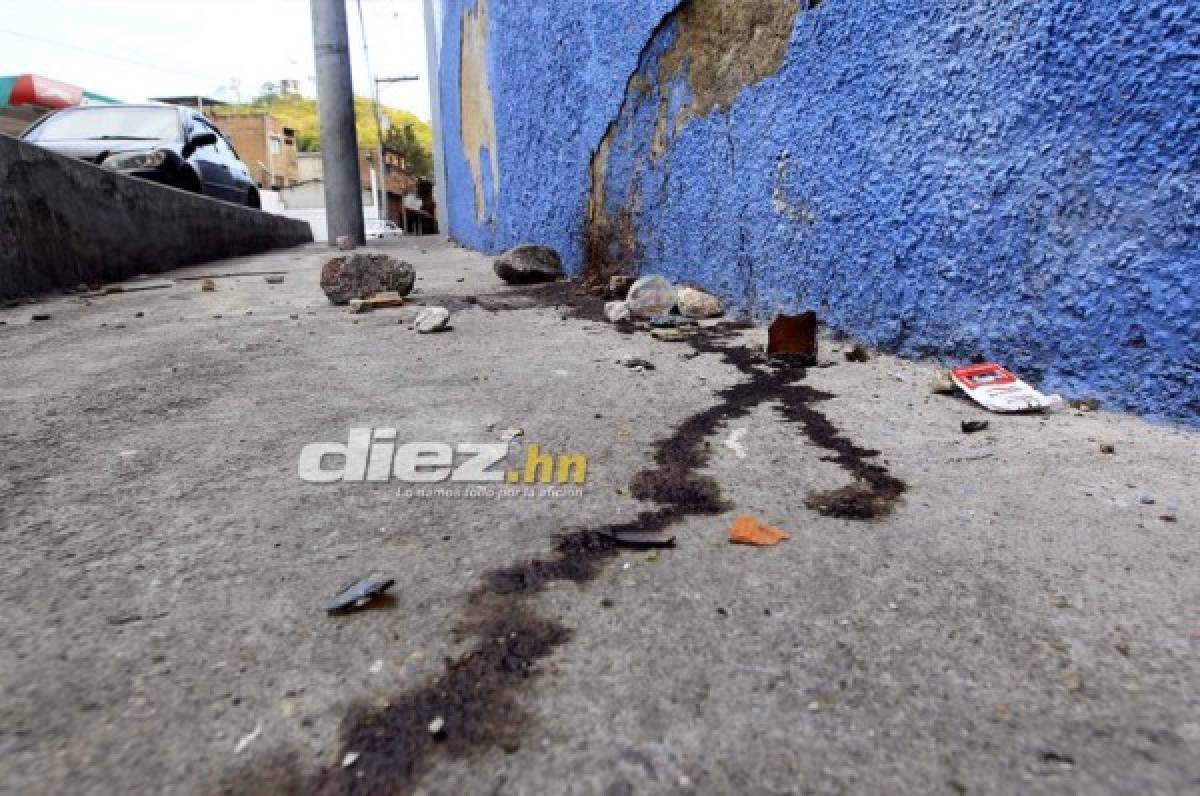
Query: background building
[[266, 147]]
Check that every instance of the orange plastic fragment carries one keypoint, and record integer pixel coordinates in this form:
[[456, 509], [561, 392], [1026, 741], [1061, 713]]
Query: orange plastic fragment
[[748, 530]]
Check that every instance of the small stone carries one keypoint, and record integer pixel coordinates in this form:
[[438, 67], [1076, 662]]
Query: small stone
[[618, 286], [528, 264], [1146, 500], [694, 303], [974, 426], [942, 384], [651, 296], [1108, 448], [350, 759], [1073, 683], [432, 319], [1085, 404], [376, 667], [208, 285], [1168, 518], [813, 707], [652, 555], [274, 279], [668, 335], [40, 317], [509, 434], [858, 354], [139, 315], [617, 311], [437, 727]]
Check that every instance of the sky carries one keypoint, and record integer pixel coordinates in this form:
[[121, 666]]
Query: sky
[[133, 50]]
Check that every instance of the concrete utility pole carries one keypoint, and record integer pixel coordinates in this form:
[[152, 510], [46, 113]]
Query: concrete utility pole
[[339, 138], [433, 49]]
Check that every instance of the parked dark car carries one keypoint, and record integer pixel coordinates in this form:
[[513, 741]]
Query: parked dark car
[[164, 143]]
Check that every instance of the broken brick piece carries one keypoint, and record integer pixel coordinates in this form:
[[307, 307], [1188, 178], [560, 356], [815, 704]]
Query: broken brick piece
[[748, 530], [794, 336]]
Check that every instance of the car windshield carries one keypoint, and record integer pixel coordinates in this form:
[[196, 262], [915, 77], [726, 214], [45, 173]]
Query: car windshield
[[149, 124]]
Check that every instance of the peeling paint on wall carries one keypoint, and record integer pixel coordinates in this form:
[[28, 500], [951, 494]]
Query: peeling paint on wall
[[717, 48], [477, 112]]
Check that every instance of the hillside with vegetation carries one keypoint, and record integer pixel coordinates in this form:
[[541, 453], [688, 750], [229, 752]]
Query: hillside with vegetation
[[406, 134]]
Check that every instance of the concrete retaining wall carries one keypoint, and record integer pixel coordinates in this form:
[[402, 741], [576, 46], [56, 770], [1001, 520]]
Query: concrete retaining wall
[[1017, 178], [64, 222]]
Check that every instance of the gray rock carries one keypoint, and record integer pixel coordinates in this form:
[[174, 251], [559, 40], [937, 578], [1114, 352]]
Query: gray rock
[[432, 319], [697, 304], [360, 276], [528, 264], [616, 311]]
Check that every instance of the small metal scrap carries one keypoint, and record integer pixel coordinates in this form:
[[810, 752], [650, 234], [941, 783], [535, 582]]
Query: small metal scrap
[[359, 593], [635, 538], [793, 339]]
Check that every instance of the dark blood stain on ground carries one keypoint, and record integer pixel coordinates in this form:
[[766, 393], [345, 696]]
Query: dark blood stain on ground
[[476, 695]]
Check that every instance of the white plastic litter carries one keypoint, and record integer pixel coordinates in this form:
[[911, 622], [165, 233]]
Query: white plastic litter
[[997, 390], [651, 296]]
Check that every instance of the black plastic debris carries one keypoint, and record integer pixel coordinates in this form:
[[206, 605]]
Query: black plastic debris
[[359, 593], [670, 322], [974, 426]]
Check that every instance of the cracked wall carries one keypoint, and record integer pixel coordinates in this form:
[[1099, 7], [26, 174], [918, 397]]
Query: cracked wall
[[702, 56], [1015, 178]]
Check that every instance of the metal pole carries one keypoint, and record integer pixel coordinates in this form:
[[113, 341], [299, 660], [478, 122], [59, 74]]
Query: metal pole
[[382, 155], [433, 47], [335, 105], [385, 215]]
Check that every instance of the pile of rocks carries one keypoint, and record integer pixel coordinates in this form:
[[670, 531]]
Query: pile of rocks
[[655, 297]]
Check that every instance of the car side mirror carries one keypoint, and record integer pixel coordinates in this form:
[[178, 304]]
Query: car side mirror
[[197, 141]]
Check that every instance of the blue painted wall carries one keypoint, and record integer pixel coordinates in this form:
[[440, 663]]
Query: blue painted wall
[[1017, 178]]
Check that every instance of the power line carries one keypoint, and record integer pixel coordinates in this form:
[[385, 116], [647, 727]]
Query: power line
[[110, 56]]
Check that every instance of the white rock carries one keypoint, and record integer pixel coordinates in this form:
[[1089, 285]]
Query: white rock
[[617, 311], [695, 303], [432, 319], [350, 759], [651, 296], [437, 725]]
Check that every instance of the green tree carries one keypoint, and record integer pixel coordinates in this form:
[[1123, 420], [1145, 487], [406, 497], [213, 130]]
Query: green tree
[[418, 158]]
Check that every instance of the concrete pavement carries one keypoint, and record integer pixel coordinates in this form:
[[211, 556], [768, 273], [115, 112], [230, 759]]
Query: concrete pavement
[[1021, 620]]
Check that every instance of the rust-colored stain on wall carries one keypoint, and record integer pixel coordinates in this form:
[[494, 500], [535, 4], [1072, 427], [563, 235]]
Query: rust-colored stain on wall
[[721, 46], [477, 112]]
